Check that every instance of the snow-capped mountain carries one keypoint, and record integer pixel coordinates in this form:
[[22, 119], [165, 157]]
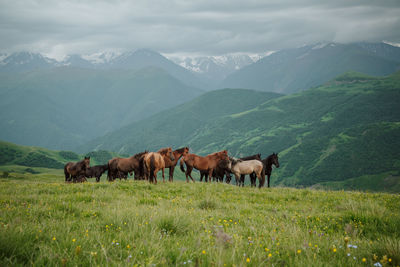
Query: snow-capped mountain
[[25, 61], [216, 68]]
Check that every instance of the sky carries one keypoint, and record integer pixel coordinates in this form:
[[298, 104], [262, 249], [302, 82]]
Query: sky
[[209, 27]]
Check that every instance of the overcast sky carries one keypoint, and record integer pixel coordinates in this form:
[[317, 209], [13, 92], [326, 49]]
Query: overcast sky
[[209, 27]]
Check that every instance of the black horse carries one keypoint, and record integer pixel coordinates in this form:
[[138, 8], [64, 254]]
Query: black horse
[[268, 161], [96, 171]]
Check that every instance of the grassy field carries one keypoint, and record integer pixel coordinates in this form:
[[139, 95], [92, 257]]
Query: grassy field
[[45, 222]]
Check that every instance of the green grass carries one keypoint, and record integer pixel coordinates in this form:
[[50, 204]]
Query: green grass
[[44, 221]]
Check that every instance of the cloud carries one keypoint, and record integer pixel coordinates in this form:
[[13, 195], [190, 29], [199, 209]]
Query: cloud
[[202, 27]]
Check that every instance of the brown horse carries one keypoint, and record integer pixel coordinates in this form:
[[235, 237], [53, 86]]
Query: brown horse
[[155, 161], [219, 172], [172, 163], [207, 163], [76, 170], [120, 167]]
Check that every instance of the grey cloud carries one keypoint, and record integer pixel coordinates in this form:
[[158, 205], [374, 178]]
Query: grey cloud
[[201, 27]]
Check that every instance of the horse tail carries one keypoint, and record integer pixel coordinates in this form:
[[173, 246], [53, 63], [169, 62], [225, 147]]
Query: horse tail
[[181, 164], [66, 173], [262, 180], [141, 167], [152, 167]]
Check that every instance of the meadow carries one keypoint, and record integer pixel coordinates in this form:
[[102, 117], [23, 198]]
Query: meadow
[[46, 222]]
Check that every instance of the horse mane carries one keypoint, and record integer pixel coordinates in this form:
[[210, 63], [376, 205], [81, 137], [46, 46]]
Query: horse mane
[[138, 155], [180, 150], [163, 150], [235, 161]]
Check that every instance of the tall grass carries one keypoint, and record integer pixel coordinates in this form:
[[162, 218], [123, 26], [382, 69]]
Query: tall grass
[[135, 223]]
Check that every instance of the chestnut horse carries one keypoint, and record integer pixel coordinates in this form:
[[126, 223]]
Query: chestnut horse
[[207, 163], [172, 163], [155, 161], [120, 167], [76, 171], [219, 172]]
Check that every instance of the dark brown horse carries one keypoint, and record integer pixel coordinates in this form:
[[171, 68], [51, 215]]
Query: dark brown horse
[[120, 167], [96, 171], [155, 161], [207, 163], [172, 163], [76, 170], [268, 162]]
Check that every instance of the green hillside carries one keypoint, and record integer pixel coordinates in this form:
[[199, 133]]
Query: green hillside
[[179, 125], [16, 158], [70, 106], [346, 129]]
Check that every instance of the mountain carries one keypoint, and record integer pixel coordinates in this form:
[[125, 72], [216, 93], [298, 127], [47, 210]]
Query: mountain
[[293, 70], [215, 68], [61, 108], [179, 125], [25, 61], [338, 135], [134, 60]]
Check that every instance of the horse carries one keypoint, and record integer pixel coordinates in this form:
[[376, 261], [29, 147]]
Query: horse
[[207, 163], [219, 172], [155, 161], [96, 171], [76, 171], [267, 162], [170, 164], [252, 175], [239, 167], [120, 167]]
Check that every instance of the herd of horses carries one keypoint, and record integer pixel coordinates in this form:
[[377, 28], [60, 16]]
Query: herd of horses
[[146, 165]]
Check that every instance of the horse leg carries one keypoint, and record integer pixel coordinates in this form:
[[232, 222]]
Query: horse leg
[[155, 176], [210, 172], [187, 173], [163, 177], [171, 173], [237, 179], [269, 175], [242, 177], [190, 174]]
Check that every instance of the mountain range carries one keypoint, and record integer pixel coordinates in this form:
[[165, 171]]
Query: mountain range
[[293, 70], [61, 108]]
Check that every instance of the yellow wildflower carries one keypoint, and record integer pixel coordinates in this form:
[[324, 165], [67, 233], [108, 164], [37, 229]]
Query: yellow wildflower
[[248, 260], [204, 252]]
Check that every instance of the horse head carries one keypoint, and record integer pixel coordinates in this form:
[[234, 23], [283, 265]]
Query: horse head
[[170, 154], [275, 160], [86, 162]]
